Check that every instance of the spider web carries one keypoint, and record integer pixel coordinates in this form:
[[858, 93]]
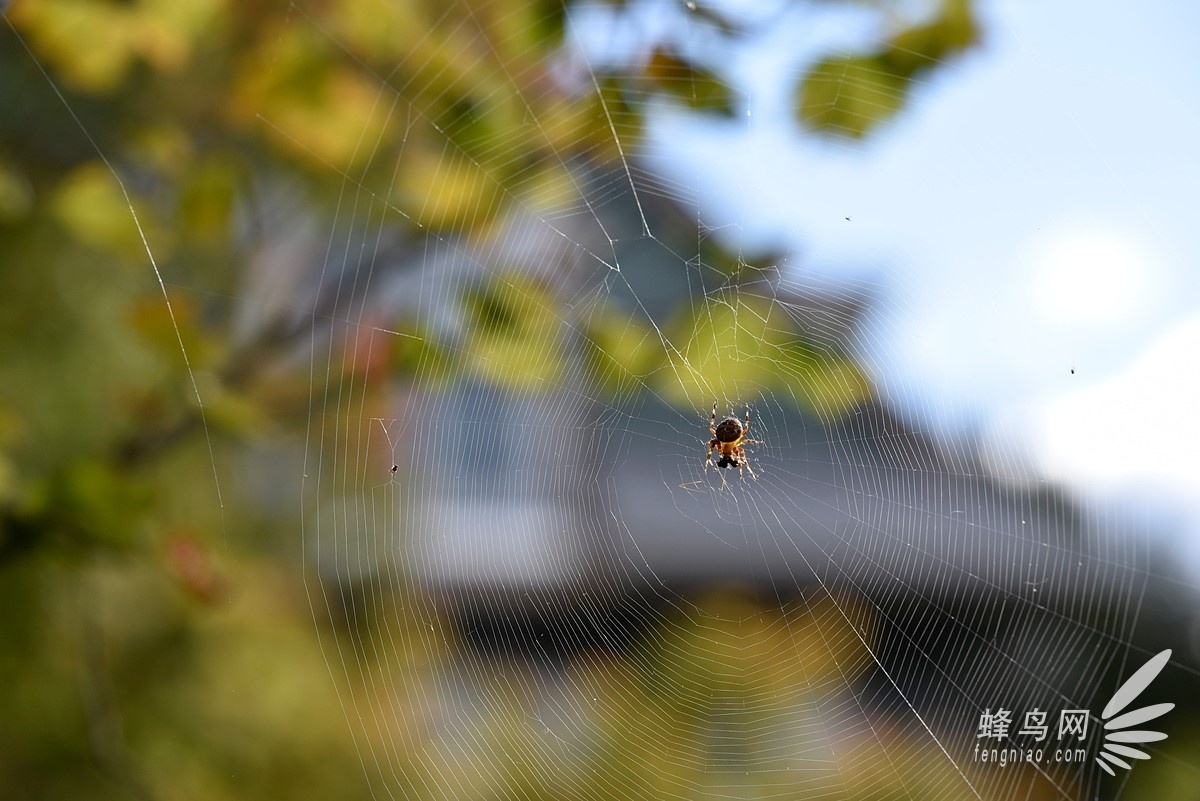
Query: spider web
[[527, 583], [553, 597]]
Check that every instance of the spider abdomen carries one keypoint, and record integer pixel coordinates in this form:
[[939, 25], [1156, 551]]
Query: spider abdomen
[[729, 430]]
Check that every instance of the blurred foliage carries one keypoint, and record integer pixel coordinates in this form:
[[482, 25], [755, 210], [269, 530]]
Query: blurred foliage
[[513, 326], [850, 95], [155, 640], [1170, 773], [721, 697], [741, 344], [700, 89]]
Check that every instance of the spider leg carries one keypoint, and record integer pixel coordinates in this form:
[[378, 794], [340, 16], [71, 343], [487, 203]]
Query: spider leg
[[746, 430], [712, 421], [712, 444], [742, 460]]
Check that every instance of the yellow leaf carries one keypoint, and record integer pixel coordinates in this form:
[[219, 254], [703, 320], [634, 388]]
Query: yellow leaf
[[90, 205], [849, 96], [166, 30], [444, 190], [383, 32], [514, 330], [91, 43], [729, 353], [16, 193], [208, 196], [338, 127], [328, 114]]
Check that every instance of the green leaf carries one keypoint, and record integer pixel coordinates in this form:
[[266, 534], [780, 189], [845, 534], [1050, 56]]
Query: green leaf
[[622, 352], [924, 46], [849, 95], [698, 88], [98, 504], [514, 325]]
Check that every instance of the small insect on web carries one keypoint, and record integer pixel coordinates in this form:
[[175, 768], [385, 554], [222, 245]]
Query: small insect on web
[[728, 439], [391, 445]]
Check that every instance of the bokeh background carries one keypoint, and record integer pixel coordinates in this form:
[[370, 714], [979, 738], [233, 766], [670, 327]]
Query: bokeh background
[[357, 359]]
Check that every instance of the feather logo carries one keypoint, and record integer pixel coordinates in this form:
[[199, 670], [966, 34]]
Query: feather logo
[[1116, 726]]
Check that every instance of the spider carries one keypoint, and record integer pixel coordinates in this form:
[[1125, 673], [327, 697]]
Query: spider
[[729, 437]]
